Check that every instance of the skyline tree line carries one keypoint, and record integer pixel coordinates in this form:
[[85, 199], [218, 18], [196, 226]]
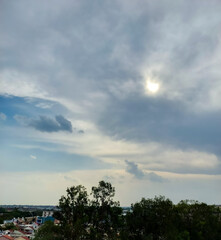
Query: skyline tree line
[[100, 217]]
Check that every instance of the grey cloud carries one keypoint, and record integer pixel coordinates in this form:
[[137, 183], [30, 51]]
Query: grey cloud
[[46, 124], [70, 179], [21, 119], [133, 169], [114, 179], [73, 35], [116, 43], [81, 131], [64, 123], [165, 121], [168, 122], [155, 177], [78, 50], [190, 170]]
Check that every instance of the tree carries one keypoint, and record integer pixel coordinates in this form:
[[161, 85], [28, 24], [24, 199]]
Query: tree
[[150, 219], [200, 220], [73, 213], [105, 212], [101, 218], [84, 219], [49, 231]]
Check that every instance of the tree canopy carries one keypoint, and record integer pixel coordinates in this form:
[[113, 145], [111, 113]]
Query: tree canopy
[[100, 217]]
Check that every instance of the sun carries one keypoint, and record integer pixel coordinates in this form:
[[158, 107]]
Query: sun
[[152, 87]]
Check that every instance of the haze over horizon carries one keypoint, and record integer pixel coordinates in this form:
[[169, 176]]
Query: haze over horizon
[[123, 91]]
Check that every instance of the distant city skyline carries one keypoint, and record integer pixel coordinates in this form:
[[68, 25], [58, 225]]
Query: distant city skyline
[[123, 91]]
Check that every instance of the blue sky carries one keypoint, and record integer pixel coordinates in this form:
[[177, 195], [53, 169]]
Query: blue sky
[[125, 91]]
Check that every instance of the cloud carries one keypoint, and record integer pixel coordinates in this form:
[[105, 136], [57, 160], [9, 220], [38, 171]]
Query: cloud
[[71, 179], [163, 121], [133, 169], [116, 178], [81, 131], [33, 157], [21, 119], [155, 177], [46, 124], [149, 39], [44, 105], [3, 116], [78, 62]]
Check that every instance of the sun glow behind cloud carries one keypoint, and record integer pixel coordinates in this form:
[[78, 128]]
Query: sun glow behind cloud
[[138, 97], [152, 86]]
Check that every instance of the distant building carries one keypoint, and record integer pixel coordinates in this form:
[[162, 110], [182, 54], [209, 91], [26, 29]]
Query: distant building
[[47, 213], [42, 220]]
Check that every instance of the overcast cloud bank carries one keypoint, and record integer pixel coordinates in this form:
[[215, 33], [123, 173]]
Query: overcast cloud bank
[[84, 67]]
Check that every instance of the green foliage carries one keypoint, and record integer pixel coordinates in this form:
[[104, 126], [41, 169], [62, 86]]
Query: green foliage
[[105, 212], [37, 213], [49, 231], [199, 219], [82, 218], [13, 214], [158, 218], [103, 195], [2, 210], [73, 214], [150, 219], [10, 226]]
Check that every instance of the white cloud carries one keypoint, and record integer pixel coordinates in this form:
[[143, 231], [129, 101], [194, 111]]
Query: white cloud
[[20, 84], [44, 105]]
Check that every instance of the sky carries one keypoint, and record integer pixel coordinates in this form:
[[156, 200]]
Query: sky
[[118, 90]]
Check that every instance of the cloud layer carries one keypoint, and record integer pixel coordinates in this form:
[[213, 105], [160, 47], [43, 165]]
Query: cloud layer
[[83, 67], [161, 120], [46, 124]]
